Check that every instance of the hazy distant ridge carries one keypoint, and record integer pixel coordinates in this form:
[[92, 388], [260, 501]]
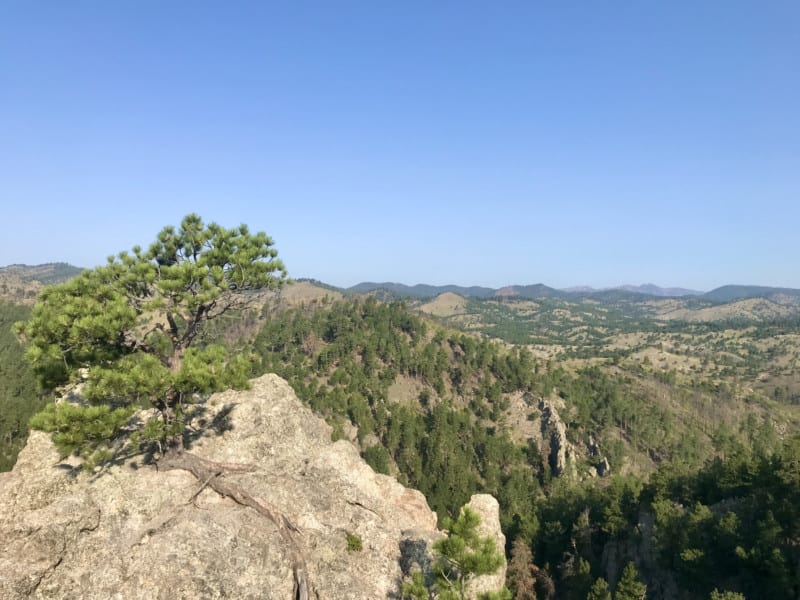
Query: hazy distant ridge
[[649, 289], [729, 293], [725, 293], [422, 290], [537, 290], [654, 290]]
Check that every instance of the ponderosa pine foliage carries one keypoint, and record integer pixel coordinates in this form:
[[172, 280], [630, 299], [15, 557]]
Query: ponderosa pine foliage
[[629, 587], [599, 590], [460, 557], [131, 328], [463, 555]]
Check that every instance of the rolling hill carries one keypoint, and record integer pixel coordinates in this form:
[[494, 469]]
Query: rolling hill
[[21, 283], [727, 293]]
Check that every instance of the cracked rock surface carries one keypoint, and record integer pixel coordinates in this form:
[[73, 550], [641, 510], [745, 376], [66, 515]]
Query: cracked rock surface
[[130, 532]]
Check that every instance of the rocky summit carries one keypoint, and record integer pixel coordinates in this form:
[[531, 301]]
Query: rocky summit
[[131, 531]]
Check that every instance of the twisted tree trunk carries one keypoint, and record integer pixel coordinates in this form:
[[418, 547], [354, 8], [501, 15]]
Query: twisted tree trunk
[[212, 474]]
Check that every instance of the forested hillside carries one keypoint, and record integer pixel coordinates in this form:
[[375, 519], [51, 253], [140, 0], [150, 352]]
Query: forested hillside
[[19, 398], [21, 283], [700, 486], [750, 344], [433, 406], [426, 404]]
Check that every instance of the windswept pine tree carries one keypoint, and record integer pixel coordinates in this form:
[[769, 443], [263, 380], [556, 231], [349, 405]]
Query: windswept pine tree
[[132, 329]]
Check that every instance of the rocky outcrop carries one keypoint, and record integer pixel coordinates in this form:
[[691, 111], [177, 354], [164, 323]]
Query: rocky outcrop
[[602, 467], [418, 554], [130, 531], [488, 509], [561, 455], [545, 427]]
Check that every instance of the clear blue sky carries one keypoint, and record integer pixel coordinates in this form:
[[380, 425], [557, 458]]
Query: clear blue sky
[[441, 142]]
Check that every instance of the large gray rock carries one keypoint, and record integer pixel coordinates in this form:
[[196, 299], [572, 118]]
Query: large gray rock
[[130, 532]]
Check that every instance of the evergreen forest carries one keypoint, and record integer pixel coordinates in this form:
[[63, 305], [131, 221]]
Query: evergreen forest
[[706, 511]]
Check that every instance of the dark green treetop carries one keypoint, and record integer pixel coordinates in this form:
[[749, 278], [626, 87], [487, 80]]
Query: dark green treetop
[[131, 329], [629, 587], [599, 590]]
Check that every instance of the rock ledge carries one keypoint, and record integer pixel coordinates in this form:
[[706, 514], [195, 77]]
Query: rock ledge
[[130, 532]]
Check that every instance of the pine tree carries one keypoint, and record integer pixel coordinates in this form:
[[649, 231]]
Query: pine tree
[[579, 581], [629, 587], [520, 571], [463, 555], [599, 590], [132, 328], [414, 587]]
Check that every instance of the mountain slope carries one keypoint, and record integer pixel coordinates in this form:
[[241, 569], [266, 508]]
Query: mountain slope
[[729, 293], [19, 396], [654, 290], [421, 290], [21, 283], [45, 274]]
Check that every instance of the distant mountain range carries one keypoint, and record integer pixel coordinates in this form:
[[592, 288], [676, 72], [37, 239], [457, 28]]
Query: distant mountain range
[[726, 293], [537, 290], [54, 272], [654, 290], [421, 290], [647, 288]]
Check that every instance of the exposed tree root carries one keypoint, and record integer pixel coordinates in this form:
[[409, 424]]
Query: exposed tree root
[[202, 487], [364, 506], [211, 474], [154, 526]]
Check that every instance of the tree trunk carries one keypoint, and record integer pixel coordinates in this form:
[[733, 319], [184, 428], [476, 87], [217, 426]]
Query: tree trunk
[[168, 407]]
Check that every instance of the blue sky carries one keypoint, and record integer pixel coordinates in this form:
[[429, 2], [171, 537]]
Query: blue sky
[[439, 142]]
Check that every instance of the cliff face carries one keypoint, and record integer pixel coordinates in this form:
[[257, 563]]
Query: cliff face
[[130, 531]]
